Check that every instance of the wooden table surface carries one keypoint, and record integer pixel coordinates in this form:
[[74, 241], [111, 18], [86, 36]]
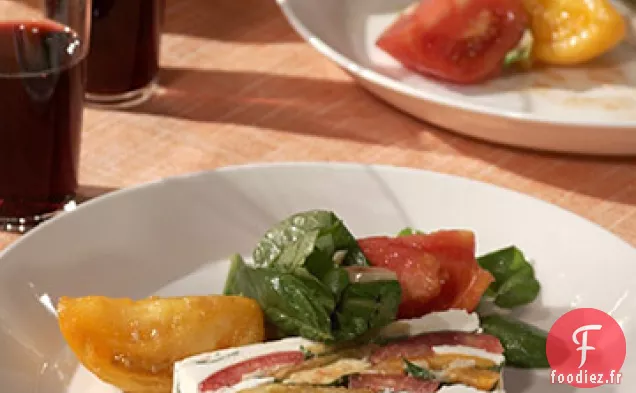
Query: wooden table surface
[[239, 86]]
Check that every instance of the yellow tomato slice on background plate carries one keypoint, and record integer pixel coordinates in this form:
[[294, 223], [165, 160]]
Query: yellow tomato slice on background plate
[[570, 32]]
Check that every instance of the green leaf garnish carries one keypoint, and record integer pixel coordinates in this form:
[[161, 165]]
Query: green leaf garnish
[[308, 239], [409, 231], [522, 52], [524, 344], [515, 283], [300, 281], [307, 353], [417, 372]]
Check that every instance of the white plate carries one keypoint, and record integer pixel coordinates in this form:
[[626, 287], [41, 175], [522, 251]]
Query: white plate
[[590, 109], [173, 237]]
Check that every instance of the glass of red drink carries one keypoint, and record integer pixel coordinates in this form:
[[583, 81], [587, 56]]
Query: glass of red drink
[[124, 57], [43, 45]]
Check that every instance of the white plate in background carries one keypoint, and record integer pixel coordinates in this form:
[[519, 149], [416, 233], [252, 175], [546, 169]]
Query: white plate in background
[[589, 109]]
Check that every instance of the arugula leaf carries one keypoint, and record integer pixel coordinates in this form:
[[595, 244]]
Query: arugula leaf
[[417, 372], [409, 231], [309, 239], [296, 304], [515, 282]]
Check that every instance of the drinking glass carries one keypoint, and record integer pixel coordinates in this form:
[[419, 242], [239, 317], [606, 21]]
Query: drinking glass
[[43, 45], [124, 57]]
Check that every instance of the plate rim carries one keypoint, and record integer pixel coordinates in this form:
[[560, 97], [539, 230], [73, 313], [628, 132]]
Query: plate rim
[[377, 78], [335, 165]]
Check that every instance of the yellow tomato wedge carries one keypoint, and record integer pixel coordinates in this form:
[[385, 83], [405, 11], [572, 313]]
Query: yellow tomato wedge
[[134, 344], [569, 32]]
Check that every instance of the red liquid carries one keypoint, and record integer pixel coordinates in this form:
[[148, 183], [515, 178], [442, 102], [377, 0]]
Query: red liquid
[[41, 98], [124, 53]]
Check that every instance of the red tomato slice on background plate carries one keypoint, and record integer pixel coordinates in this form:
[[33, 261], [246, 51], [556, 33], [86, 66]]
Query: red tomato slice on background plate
[[460, 41], [419, 260], [233, 374]]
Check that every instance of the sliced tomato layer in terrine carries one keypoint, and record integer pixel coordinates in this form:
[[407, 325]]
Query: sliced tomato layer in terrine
[[441, 352]]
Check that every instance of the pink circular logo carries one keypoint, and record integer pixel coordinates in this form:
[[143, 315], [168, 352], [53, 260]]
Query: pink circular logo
[[586, 348]]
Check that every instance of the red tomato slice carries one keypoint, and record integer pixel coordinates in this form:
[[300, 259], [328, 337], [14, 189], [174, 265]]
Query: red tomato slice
[[401, 349], [394, 383], [422, 346], [233, 374], [461, 41], [466, 281], [461, 281], [457, 244], [418, 272]]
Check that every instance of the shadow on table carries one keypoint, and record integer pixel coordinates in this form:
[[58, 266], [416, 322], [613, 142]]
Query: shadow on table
[[342, 110], [249, 21], [578, 173], [329, 109]]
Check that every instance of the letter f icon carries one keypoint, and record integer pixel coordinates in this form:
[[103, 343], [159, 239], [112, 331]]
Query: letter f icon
[[583, 344]]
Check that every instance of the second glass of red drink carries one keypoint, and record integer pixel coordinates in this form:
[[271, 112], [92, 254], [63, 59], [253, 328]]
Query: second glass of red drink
[[124, 56]]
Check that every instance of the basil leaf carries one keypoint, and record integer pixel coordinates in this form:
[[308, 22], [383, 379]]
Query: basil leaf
[[503, 263], [320, 294], [409, 231], [313, 236], [515, 282], [366, 306], [337, 281], [294, 254], [300, 282], [417, 372], [296, 304], [521, 288], [524, 345], [319, 263]]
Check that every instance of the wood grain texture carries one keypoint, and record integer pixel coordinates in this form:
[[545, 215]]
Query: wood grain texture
[[239, 86]]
